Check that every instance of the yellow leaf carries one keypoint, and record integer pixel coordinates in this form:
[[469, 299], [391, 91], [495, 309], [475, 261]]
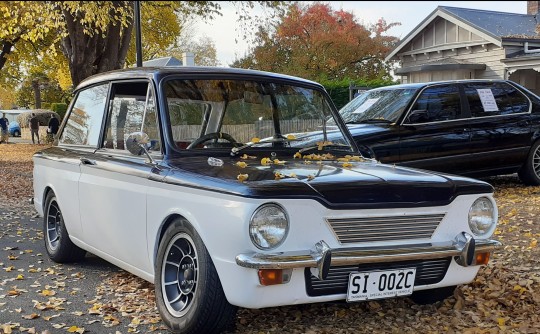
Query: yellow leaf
[[291, 137], [343, 159], [279, 162], [297, 155], [501, 321], [48, 293], [241, 164], [533, 243], [242, 177], [20, 277], [278, 175], [255, 140], [245, 157], [347, 165], [266, 161], [292, 175]]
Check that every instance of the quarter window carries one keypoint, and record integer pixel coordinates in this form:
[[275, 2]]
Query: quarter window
[[495, 98], [84, 121], [131, 109], [441, 103]]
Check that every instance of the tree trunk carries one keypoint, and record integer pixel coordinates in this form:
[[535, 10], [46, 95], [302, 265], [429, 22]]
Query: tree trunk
[[91, 54], [37, 94]]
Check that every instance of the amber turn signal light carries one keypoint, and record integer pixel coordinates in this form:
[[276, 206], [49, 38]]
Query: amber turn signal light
[[274, 276], [482, 258]]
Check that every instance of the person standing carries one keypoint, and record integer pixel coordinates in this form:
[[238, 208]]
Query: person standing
[[34, 127], [54, 124], [4, 135]]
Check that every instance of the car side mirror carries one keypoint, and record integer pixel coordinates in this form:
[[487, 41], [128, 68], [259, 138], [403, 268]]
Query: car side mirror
[[138, 143], [418, 116]]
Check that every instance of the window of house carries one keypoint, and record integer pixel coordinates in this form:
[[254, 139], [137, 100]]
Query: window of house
[[441, 103], [131, 109], [495, 98], [85, 118]]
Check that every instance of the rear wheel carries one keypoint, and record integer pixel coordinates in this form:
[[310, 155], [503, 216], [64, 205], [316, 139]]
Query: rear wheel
[[57, 242], [189, 295], [16, 133], [530, 172], [425, 297]]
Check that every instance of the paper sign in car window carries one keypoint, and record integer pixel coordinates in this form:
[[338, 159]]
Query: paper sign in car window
[[488, 100], [365, 106]]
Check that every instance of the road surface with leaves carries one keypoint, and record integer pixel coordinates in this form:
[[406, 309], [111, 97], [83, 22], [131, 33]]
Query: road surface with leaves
[[39, 296]]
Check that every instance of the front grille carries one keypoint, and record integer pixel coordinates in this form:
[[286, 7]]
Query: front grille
[[351, 230], [427, 272]]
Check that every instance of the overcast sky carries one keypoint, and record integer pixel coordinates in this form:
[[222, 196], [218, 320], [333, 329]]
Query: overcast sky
[[224, 30]]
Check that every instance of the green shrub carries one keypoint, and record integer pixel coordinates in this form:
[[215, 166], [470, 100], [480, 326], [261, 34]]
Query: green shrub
[[45, 105], [60, 109]]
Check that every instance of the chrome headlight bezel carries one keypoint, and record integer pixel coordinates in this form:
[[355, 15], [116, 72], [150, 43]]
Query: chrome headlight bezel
[[482, 217], [278, 232]]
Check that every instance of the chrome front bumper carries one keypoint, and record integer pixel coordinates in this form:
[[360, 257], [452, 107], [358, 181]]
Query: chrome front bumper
[[464, 247]]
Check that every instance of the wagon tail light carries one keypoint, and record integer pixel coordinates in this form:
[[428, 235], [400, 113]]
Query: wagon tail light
[[274, 276]]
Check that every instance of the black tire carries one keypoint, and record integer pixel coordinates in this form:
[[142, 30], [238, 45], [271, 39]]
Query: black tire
[[16, 133], [57, 242], [195, 301], [530, 172], [426, 297]]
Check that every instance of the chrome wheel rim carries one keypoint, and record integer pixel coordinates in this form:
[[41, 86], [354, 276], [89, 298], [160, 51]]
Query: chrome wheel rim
[[536, 162], [179, 275], [55, 224]]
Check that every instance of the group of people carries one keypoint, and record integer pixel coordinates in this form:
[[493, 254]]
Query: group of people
[[33, 124]]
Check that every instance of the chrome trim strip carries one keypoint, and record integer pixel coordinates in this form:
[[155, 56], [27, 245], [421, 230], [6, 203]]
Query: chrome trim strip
[[357, 255]]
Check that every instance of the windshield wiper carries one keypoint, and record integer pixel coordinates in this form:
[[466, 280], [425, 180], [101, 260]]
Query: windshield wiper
[[370, 120], [236, 150], [325, 147]]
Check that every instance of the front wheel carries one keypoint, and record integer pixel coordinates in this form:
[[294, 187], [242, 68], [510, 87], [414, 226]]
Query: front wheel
[[530, 172], [59, 246], [189, 295]]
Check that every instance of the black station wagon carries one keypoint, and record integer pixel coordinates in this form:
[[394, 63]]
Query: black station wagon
[[232, 188], [469, 127]]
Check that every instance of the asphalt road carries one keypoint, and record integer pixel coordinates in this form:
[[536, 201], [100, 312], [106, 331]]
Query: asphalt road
[[38, 294]]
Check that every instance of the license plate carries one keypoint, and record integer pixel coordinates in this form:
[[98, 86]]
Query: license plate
[[380, 284]]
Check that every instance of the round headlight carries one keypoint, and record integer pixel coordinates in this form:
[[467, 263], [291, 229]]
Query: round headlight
[[268, 226], [482, 217]]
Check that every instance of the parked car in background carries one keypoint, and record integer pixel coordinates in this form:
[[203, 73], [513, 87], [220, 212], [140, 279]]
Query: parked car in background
[[469, 127], [14, 129], [230, 188]]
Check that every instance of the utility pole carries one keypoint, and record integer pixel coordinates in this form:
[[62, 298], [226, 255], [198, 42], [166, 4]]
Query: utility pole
[[138, 42]]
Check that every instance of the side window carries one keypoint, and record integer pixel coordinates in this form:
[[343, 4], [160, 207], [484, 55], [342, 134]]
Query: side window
[[495, 98], [84, 121], [441, 103], [131, 109]]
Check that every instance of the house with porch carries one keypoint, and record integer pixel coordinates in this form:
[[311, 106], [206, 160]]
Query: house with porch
[[461, 43]]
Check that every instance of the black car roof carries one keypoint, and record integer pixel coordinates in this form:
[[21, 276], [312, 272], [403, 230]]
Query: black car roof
[[159, 72], [432, 83]]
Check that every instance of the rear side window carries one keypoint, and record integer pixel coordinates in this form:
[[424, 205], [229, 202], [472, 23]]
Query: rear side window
[[84, 121], [442, 103], [495, 98]]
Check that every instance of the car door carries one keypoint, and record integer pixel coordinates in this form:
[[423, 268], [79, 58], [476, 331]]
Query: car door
[[113, 184], [79, 138], [434, 135], [501, 131]]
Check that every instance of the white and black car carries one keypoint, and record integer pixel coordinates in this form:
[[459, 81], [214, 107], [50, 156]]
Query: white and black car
[[232, 188]]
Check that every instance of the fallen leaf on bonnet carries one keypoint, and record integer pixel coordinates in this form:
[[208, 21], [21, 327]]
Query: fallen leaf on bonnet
[[241, 164], [255, 140], [242, 177], [291, 137], [297, 155], [279, 162], [266, 161]]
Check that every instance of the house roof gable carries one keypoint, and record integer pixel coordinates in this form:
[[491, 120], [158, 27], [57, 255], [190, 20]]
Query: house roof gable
[[490, 25]]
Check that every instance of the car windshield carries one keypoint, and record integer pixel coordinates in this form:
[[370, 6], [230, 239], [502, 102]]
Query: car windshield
[[380, 105], [239, 114]]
